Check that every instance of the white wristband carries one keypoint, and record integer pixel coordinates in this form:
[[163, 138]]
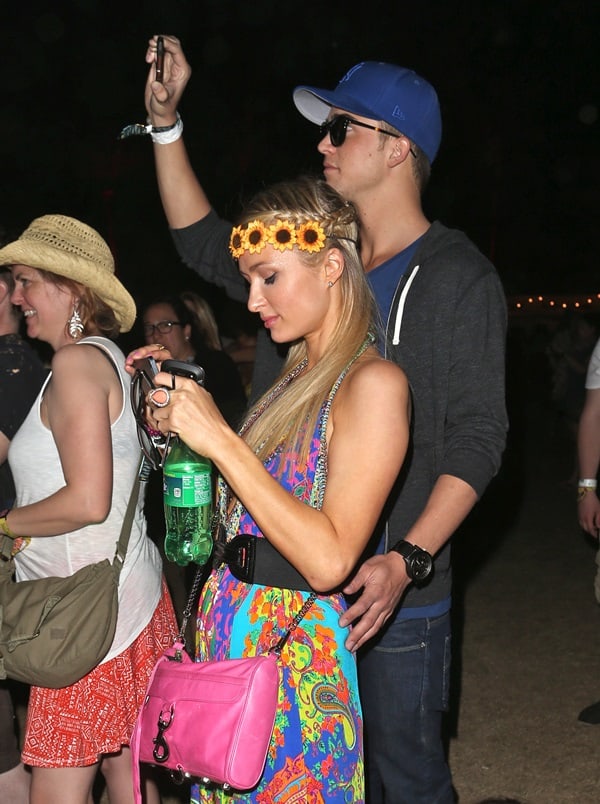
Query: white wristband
[[587, 483], [172, 133]]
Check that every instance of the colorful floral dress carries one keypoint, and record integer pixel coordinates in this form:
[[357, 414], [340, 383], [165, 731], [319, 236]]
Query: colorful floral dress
[[316, 752]]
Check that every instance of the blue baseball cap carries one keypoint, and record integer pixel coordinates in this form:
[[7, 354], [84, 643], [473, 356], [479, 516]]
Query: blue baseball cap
[[385, 92]]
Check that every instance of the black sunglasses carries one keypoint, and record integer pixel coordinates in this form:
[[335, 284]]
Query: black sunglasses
[[337, 128], [154, 444]]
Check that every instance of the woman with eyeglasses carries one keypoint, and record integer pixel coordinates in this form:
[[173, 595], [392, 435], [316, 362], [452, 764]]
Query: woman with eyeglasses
[[168, 321]]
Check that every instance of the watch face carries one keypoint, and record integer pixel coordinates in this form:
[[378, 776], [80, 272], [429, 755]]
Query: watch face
[[421, 564]]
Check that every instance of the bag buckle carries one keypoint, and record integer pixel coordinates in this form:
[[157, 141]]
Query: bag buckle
[[161, 750], [239, 554]]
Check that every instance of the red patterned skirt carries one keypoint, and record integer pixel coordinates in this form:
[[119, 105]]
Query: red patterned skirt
[[74, 726]]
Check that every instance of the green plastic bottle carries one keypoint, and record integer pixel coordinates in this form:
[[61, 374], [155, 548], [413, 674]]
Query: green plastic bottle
[[187, 489]]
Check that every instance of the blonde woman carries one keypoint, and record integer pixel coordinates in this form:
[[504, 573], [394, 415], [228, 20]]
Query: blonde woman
[[308, 475]]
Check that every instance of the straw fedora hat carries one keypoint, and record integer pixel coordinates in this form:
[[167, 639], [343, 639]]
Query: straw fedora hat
[[70, 248]]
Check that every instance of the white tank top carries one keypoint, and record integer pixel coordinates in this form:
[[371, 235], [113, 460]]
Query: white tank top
[[37, 471]]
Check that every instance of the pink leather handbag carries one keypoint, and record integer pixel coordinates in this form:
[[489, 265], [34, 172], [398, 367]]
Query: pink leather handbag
[[211, 720]]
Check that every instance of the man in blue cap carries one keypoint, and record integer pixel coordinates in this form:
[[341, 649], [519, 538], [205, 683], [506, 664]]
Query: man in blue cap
[[444, 312]]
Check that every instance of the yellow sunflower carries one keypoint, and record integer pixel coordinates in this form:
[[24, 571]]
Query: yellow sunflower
[[310, 236], [256, 237], [282, 235], [236, 242]]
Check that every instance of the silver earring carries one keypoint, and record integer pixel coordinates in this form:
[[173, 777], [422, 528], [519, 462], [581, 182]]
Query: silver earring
[[330, 284], [75, 324]]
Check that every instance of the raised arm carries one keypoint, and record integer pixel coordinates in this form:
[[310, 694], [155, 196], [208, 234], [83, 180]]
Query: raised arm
[[183, 199], [199, 234]]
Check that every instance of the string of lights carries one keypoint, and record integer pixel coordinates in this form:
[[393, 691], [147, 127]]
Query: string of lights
[[556, 303]]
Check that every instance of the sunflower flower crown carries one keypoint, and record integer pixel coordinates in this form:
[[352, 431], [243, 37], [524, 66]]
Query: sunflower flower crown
[[282, 235]]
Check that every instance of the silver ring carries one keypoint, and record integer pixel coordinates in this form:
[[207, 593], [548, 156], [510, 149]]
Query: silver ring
[[154, 402]]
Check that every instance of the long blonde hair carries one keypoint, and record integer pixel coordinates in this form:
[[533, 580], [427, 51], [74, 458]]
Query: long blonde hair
[[290, 419]]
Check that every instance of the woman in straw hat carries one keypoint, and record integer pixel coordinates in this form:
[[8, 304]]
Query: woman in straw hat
[[74, 461]]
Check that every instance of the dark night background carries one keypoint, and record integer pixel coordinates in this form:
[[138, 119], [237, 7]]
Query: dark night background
[[518, 171], [518, 82]]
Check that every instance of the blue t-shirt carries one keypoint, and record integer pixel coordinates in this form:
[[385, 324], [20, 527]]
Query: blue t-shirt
[[384, 279]]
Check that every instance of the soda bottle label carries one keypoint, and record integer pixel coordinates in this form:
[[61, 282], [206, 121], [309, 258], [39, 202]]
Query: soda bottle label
[[187, 491]]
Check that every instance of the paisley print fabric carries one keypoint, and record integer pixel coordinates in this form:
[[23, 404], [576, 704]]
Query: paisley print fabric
[[316, 749]]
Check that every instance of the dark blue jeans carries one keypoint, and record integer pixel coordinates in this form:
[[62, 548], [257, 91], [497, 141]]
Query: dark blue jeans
[[404, 677]]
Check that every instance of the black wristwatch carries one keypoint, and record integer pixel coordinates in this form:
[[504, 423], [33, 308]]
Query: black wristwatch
[[419, 562]]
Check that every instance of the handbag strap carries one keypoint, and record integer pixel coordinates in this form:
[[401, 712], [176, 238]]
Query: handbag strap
[[279, 645], [142, 475], [199, 579], [134, 743]]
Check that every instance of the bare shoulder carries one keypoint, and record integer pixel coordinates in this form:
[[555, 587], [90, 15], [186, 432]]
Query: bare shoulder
[[372, 403], [376, 372], [375, 382], [83, 361]]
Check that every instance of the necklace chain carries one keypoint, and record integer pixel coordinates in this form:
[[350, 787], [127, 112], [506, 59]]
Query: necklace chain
[[273, 394]]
